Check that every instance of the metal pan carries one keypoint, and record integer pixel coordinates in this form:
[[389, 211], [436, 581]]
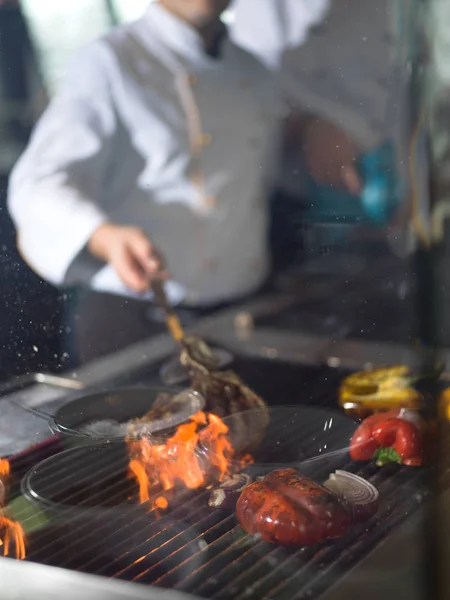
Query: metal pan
[[103, 416]]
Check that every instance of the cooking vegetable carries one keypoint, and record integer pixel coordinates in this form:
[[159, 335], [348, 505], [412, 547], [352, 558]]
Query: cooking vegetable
[[381, 389], [388, 437], [288, 508], [226, 494], [362, 497]]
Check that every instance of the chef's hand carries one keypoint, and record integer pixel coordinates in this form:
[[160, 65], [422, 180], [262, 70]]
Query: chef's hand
[[331, 155], [131, 254]]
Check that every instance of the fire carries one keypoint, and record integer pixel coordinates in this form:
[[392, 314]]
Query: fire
[[138, 470], [10, 531], [161, 502], [198, 451], [4, 467], [13, 532]]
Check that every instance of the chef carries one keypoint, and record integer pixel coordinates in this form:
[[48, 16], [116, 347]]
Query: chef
[[150, 161]]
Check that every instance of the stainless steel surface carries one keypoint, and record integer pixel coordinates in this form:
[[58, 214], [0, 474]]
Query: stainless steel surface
[[395, 568], [25, 404], [20, 429], [23, 581], [393, 571], [24, 381]]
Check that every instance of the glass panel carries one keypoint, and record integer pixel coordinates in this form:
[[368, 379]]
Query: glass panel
[[296, 189]]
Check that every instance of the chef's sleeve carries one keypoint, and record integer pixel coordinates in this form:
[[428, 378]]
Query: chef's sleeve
[[56, 185]]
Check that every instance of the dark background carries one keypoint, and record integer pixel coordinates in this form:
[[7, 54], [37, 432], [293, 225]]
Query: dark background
[[32, 329]]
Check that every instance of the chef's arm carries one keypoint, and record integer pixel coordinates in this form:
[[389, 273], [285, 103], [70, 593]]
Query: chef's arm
[[328, 151], [55, 187]]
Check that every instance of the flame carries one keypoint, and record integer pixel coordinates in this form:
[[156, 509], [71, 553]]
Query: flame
[[161, 502], [4, 467], [199, 450], [139, 471], [10, 531], [13, 532]]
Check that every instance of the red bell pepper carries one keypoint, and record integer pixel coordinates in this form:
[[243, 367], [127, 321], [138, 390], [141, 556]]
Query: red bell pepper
[[394, 436], [290, 509]]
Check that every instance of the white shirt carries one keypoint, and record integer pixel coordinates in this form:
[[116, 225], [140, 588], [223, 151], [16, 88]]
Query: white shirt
[[117, 144]]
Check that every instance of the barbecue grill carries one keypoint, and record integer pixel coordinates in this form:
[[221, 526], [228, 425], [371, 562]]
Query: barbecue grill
[[192, 548]]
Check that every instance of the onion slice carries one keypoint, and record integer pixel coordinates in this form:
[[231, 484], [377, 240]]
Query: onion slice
[[361, 497], [226, 493]]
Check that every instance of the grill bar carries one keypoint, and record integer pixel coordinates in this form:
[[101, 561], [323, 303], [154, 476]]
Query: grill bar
[[247, 563], [87, 535], [338, 554], [181, 513], [199, 550], [169, 539], [343, 556]]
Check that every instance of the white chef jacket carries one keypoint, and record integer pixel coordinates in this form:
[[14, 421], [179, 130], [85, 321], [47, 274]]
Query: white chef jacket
[[150, 131]]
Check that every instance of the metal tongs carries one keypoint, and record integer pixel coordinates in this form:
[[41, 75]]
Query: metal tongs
[[191, 345], [172, 321]]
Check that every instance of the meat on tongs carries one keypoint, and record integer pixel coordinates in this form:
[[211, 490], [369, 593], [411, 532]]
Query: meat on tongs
[[224, 391]]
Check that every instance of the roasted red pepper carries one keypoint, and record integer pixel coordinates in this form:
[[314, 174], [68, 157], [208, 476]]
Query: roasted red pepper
[[290, 509], [388, 437]]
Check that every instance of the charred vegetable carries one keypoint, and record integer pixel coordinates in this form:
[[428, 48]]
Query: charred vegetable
[[288, 508], [381, 389], [225, 393], [226, 494], [394, 436]]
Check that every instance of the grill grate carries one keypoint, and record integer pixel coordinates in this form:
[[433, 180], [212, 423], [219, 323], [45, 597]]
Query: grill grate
[[193, 548]]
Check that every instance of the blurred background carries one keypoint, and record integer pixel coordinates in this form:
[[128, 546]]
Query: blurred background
[[37, 39]]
